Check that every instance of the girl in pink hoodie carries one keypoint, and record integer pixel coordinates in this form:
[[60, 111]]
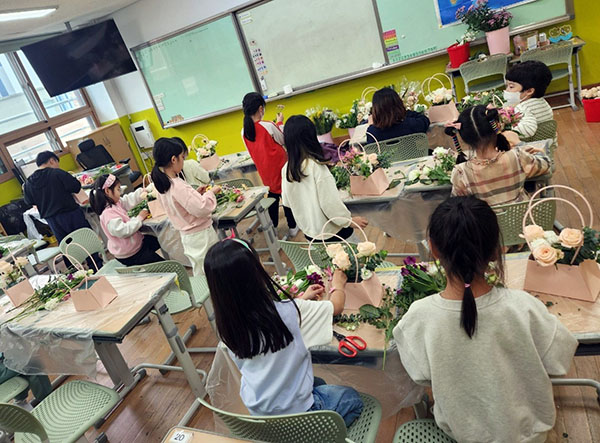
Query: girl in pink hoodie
[[125, 242], [190, 211]]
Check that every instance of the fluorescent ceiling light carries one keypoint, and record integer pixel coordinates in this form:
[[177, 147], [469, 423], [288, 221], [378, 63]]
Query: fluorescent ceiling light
[[25, 14]]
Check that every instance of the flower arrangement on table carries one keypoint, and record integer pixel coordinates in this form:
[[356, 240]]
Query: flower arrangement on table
[[362, 164], [341, 177], [493, 97], [409, 92], [208, 150], [86, 179], [439, 96], [439, 173], [368, 258], [229, 194], [324, 119], [51, 294], [509, 118], [350, 120], [549, 249], [480, 17], [150, 196], [11, 273], [295, 284]]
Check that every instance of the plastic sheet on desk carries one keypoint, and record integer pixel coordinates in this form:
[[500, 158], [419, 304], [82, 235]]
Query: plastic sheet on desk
[[168, 237]]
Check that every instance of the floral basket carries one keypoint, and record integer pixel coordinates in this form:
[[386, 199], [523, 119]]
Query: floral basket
[[369, 289], [205, 151], [93, 292], [578, 279], [154, 206], [443, 108], [14, 282], [81, 197], [376, 183]]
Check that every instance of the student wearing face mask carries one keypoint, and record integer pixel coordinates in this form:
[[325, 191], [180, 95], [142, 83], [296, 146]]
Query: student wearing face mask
[[526, 85]]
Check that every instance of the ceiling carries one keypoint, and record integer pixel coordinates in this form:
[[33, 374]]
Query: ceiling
[[77, 12]]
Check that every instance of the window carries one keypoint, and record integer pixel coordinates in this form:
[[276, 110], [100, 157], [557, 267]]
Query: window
[[31, 121]]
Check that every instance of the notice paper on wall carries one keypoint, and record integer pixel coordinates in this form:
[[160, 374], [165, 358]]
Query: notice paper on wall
[[391, 46]]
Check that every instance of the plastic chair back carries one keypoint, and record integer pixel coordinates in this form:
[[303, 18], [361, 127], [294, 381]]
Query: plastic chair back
[[11, 388], [403, 148], [475, 69], [86, 238], [15, 419], [510, 219], [556, 54], [297, 252], [314, 426], [174, 300], [545, 131], [422, 431], [237, 182]]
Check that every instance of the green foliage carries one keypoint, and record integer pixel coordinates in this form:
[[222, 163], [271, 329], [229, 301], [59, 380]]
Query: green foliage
[[135, 211], [341, 176]]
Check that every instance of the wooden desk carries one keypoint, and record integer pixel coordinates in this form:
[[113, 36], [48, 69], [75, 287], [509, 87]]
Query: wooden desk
[[199, 435]]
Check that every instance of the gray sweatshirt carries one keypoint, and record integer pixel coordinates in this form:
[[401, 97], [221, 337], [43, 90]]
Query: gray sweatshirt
[[493, 387]]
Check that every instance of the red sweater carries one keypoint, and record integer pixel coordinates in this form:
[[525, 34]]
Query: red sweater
[[267, 153]]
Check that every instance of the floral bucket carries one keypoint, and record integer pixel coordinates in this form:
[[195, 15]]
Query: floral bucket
[[458, 54], [81, 197], [210, 163], [351, 132], [498, 41], [581, 282], [375, 184], [325, 138], [20, 292], [442, 110], [205, 151], [358, 293], [154, 206], [591, 108]]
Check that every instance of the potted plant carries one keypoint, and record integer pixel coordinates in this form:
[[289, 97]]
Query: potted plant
[[349, 121], [459, 52], [324, 119], [480, 17]]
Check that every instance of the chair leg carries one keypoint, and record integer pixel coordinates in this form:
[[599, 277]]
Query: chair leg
[[572, 91], [577, 382]]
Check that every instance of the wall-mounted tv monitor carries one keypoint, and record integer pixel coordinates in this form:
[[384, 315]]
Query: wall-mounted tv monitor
[[80, 58]]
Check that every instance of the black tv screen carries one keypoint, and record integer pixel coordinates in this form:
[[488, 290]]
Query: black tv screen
[[80, 58]]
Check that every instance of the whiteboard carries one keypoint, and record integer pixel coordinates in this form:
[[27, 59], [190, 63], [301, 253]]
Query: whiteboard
[[303, 43], [196, 72]]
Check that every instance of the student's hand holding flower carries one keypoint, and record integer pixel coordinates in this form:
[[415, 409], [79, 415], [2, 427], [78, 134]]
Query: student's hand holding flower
[[314, 292], [280, 117], [144, 213]]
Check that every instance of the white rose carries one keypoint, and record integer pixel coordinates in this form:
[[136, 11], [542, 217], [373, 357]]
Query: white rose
[[426, 170], [334, 249], [352, 110], [551, 237], [571, 238], [439, 151], [313, 269], [51, 304], [366, 249], [414, 174], [80, 274], [531, 232], [341, 260], [546, 255], [5, 267], [448, 97], [21, 261], [539, 242], [298, 282], [212, 143], [203, 152], [366, 273], [373, 159], [439, 98], [368, 106]]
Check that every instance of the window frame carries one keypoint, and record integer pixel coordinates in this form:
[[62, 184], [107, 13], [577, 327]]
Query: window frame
[[46, 124]]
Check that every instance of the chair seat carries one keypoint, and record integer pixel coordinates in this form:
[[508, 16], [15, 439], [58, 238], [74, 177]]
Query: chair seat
[[110, 267], [177, 300], [486, 86], [559, 73], [45, 255], [71, 410], [200, 288], [39, 244], [423, 431], [11, 388], [364, 429]]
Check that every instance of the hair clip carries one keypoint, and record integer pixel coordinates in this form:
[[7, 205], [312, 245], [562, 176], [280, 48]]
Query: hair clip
[[495, 126], [110, 180], [241, 242], [455, 125], [467, 285]]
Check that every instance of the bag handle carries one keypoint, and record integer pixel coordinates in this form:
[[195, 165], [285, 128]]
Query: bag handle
[[75, 263], [149, 177], [367, 90], [16, 264], [203, 138], [347, 141], [84, 250], [428, 80]]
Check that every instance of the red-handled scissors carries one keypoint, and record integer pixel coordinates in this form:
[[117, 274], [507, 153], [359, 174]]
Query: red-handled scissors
[[349, 346]]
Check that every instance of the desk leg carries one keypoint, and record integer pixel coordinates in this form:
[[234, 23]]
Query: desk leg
[[578, 72], [270, 237], [115, 365]]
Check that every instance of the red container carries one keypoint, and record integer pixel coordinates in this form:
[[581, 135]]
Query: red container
[[591, 106], [458, 54]]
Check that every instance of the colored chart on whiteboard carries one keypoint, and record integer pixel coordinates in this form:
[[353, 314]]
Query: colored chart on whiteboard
[[392, 48], [446, 9]]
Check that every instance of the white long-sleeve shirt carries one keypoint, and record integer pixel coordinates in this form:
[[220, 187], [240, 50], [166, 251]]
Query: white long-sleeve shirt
[[534, 111], [493, 387], [195, 174], [314, 200]]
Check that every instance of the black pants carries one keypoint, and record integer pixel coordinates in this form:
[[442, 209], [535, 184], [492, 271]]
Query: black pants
[[147, 253], [345, 233], [64, 223], [274, 212]]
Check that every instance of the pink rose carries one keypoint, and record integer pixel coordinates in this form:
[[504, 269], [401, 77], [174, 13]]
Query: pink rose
[[571, 238]]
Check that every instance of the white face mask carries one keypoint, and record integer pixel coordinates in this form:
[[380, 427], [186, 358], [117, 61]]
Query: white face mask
[[512, 98]]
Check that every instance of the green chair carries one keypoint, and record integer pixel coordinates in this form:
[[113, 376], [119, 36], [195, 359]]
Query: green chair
[[313, 426], [492, 66], [63, 416], [402, 148], [11, 388], [545, 131], [510, 219], [196, 296], [553, 56], [422, 431], [85, 241]]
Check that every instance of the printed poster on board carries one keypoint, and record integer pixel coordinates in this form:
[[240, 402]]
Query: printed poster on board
[[446, 9]]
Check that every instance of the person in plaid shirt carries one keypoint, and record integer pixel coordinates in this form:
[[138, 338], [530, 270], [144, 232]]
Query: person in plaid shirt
[[494, 172]]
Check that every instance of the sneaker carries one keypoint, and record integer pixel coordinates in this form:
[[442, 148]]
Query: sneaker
[[292, 232], [24, 404]]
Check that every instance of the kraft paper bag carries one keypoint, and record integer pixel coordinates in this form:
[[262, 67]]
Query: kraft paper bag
[[365, 292], [81, 197], [443, 113], [210, 163], [93, 293], [376, 184], [19, 293]]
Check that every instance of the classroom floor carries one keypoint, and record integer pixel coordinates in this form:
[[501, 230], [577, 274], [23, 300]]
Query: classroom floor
[[158, 402]]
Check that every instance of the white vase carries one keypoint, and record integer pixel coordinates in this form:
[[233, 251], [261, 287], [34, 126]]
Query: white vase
[[325, 138], [498, 41]]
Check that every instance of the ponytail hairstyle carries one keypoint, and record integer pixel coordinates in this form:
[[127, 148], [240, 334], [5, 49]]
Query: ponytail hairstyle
[[250, 104], [98, 198], [480, 126], [465, 232], [245, 312], [301, 143], [163, 151]]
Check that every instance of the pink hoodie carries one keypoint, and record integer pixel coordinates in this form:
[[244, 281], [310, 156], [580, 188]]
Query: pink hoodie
[[188, 210], [124, 238]]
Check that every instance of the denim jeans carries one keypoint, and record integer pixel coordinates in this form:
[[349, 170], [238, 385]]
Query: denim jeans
[[341, 399]]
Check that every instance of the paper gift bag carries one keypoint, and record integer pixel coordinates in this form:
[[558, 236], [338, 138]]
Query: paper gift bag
[[439, 113], [93, 293], [210, 163], [365, 292], [375, 184], [81, 197], [154, 206], [580, 282], [20, 292]]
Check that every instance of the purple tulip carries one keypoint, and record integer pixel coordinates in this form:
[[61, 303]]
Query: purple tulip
[[405, 272], [70, 277], [409, 261]]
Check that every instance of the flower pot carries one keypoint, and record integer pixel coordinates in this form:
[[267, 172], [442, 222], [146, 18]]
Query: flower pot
[[325, 138], [458, 54], [591, 107], [19, 293], [210, 163], [498, 41], [351, 132]]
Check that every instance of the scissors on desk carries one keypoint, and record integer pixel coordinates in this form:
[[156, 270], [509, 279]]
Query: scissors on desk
[[349, 346]]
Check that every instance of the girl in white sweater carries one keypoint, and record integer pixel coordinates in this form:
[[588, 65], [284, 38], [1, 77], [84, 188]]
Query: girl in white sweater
[[486, 352], [307, 186]]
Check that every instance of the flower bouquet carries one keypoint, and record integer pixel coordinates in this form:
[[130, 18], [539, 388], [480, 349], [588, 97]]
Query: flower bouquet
[[480, 17], [295, 284], [443, 108], [439, 173], [206, 151], [367, 175], [566, 264], [86, 179], [14, 282], [135, 211], [323, 119], [350, 121], [493, 97], [509, 118], [229, 194], [341, 177]]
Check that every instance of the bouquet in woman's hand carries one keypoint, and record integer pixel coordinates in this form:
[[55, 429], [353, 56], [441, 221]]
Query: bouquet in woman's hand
[[509, 118]]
